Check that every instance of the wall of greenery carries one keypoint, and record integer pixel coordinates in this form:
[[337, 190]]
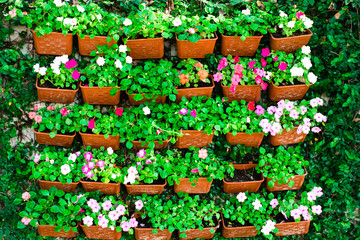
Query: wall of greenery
[[334, 155]]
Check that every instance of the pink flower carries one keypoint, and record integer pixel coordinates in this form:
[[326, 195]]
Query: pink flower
[[89, 174], [218, 76], [299, 14], [311, 196], [295, 213], [251, 64], [148, 161], [183, 111], [233, 88], [88, 156], [85, 169], [100, 163], [258, 80], [193, 113], [264, 86], [316, 209], [91, 165], [25, 220], [103, 222], [32, 115], [88, 221], [133, 222], [64, 112], [75, 75], [241, 197], [50, 108], [119, 111], [192, 30], [274, 202], [125, 226], [158, 131], [26, 196], [91, 124], [265, 52], [236, 59], [195, 170], [25, 13], [263, 62], [12, 14], [37, 157], [36, 107], [38, 118], [203, 153], [70, 64], [317, 191], [259, 110], [283, 66], [238, 68], [106, 205], [275, 58], [251, 106], [222, 64], [139, 205], [141, 153]]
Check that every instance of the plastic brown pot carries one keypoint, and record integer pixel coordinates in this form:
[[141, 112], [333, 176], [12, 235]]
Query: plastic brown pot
[[49, 231], [105, 188], [159, 99], [202, 186], [298, 179], [97, 232], [87, 44], [194, 138], [147, 234], [236, 232], [289, 44], [241, 166], [243, 92], [146, 48], [291, 92], [53, 43], [97, 141], [249, 140], [101, 96], [187, 49], [158, 145], [196, 233], [67, 187], [59, 140], [292, 228], [236, 47], [287, 137], [236, 187], [56, 95], [149, 189], [191, 92]]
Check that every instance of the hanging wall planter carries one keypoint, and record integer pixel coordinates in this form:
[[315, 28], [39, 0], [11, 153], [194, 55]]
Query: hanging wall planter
[[67, 187], [87, 44], [53, 43], [291, 92], [146, 48], [105, 188], [249, 140], [49, 231], [97, 141], [187, 49], [149, 189], [101, 96], [98, 232], [159, 99], [191, 92], [236, 47], [292, 228], [237, 232], [55, 95], [201, 186], [242, 92], [61, 140], [289, 44], [298, 179], [287, 137], [194, 138]]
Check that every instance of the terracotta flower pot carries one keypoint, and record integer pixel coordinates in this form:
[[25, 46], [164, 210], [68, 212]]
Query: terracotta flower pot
[[97, 141], [191, 92], [49, 231], [53, 44], [237, 232], [287, 137], [56, 95], [105, 188], [298, 179], [249, 140], [101, 96], [289, 44], [292, 228], [241, 166], [146, 48], [243, 92], [196, 233], [291, 92], [159, 99], [202, 186], [158, 145], [97, 232], [87, 44], [236, 47], [187, 49], [236, 187], [147, 234], [67, 187], [149, 189], [194, 138], [59, 140]]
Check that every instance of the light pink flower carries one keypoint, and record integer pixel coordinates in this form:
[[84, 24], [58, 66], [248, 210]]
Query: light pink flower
[[133, 222], [89, 175], [274, 202], [100, 163], [141, 153], [38, 118], [148, 161], [241, 197], [12, 13], [65, 169], [106, 205], [257, 204], [125, 226], [192, 30], [139, 205], [203, 153], [25, 220], [88, 221], [311, 196], [316, 209], [121, 210], [238, 68], [317, 191], [316, 129], [36, 107], [50, 108], [32, 115], [26, 196], [294, 114], [103, 222], [259, 110], [295, 213], [91, 165], [218, 76]]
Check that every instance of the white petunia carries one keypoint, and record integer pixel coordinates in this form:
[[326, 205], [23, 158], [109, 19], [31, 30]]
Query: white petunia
[[146, 110], [42, 71], [281, 25], [312, 78], [308, 22], [59, 19], [36, 67], [297, 72], [99, 17], [128, 59], [306, 62], [246, 12], [118, 64], [282, 14], [305, 50], [56, 71], [122, 48], [59, 3], [291, 24], [80, 8], [176, 22], [127, 22], [100, 61], [110, 150]]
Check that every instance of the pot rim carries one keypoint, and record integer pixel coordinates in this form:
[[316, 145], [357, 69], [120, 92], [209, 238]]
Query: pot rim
[[227, 228], [310, 33], [253, 85], [61, 89], [190, 88], [143, 95], [89, 182], [45, 181], [92, 134], [290, 223], [62, 135], [229, 36], [145, 39], [290, 86], [155, 185], [55, 33], [207, 39], [96, 87], [268, 179]]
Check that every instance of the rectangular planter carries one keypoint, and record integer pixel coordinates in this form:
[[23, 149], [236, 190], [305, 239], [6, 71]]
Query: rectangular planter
[[249, 140], [159, 99], [137, 145], [237, 232], [291, 92], [101, 96], [298, 179], [191, 92], [236, 47], [242, 92], [196, 233], [194, 138], [55, 95], [202, 186], [292, 228], [87, 44], [287, 137], [49, 231], [105, 188], [187, 49], [149, 189], [289, 44], [147, 234], [67, 187], [146, 48], [53, 44], [97, 232], [97, 141], [59, 140]]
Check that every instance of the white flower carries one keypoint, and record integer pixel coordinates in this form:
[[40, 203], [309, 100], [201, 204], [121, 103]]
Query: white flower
[[36, 68], [241, 197], [59, 19], [72, 157], [291, 24], [128, 59], [312, 78], [305, 50], [58, 3], [257, 204], [64, 59], [127, 22], [146, 110], [110, 150], [281, 25], [118, 64], [65, 169], [52, 161], [42, 71], [246, 12], [297, 72], [57, 71], [99, 17], [80, 8], [306, 62], [176, 22], [113, 176], [100, 61], [307, 22], [73, 21], [123, 48], [282, 14]]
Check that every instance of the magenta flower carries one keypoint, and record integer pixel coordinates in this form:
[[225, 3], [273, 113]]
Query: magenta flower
[[283, 66], [232, 88], [183, 111], [100, 164], [85, 169], [91, 165], [264, 86], [193, 113], [119, 111], [88, 156], [91, 124], [75, 75], [141, 153], [64, 112], [148, 161], [275, 58], [299, 14], [222, 64], [89, 174], [236, 79], [251, 64], [265, 52], [259, 110], [218, 76], [263, 62], [158, 131], [70, 64], [258, 80], [195, 170], [236, 59]]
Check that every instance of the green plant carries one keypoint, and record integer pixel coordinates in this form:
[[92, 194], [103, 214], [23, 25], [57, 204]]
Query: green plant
[[192, 73]]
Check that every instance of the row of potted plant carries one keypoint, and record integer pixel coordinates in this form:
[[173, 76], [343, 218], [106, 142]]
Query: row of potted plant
[[144, 30], [188, 123]]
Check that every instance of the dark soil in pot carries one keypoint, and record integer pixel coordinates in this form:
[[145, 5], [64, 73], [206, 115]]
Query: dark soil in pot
[[244, 176]]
